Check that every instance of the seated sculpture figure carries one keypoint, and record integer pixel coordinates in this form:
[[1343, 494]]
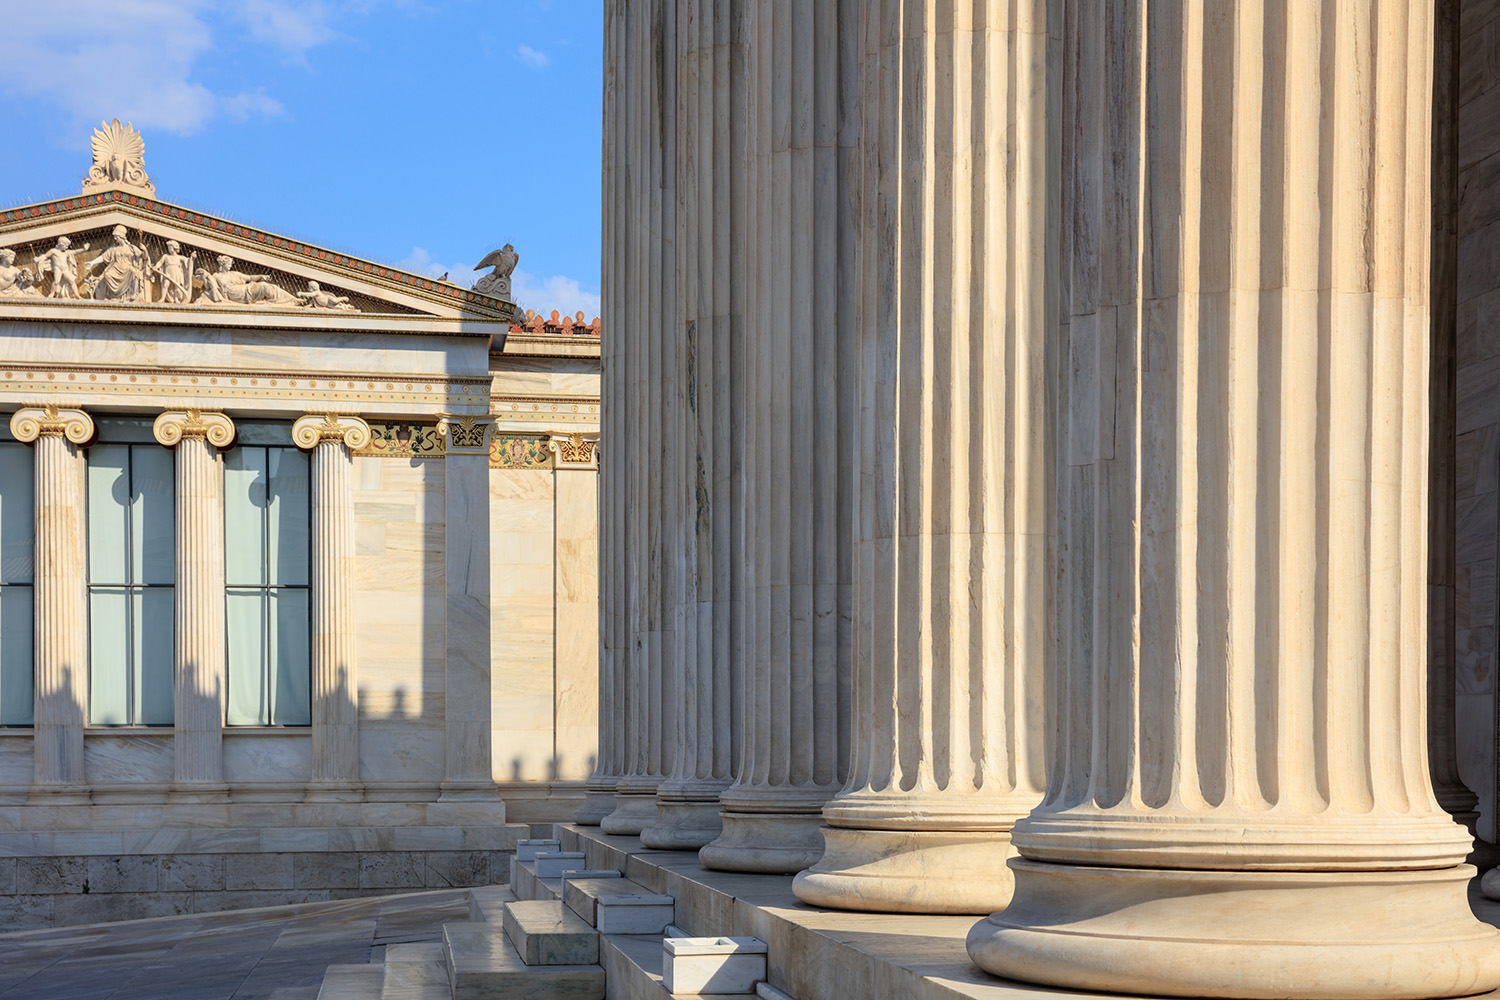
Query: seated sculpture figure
[[229, 285], [123, 278], [316, 298], [16, 282]]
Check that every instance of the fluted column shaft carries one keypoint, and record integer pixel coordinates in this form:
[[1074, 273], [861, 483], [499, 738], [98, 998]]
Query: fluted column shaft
[[335, 669], [644, 44], [706, 470], [199, 625], [1239, 802], [60, 640], [803, 123]]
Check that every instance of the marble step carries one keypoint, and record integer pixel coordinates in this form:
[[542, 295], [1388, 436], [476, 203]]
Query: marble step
[[544, 932], [351, 982], [525, 884], [581, 895], [486, 901], [415, 972], [527, 850], [482, 965], [551, 864]]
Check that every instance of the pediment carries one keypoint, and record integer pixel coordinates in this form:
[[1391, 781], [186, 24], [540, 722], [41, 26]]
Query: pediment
[[72, 258]]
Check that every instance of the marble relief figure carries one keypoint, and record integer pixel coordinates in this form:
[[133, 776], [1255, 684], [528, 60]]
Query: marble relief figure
[[125, 272], [174, 273], [61, 264], [16, 282], [228, 285], [316, 298]]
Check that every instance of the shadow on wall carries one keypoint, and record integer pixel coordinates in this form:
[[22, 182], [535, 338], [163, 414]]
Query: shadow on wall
[[554, 767]]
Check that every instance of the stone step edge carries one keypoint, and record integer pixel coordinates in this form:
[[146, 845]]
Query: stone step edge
[[614, 951], [519, 912]]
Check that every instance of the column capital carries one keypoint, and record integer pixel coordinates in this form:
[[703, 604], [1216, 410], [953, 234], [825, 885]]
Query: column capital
[[31, 422], [575, 451], [174, 425], [466, 434], [312, 428]]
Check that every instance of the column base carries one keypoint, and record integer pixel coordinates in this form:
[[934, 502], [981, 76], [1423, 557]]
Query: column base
[[635, 809], [334, 791], [461, 790], [198, 793], [1245, 934], [58, 795], [909, 871], [766, 843], [598, 802], [687, 815]]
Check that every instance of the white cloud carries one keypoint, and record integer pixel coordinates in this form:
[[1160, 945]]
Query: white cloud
[[531, 57], [241, 107], [295, 27], [557, 292], [419, 261]]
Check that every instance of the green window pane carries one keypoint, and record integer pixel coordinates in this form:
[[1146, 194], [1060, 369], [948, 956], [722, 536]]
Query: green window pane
[[291, 703], [17, 514], [108, 513], [153, 525], [246, 620], [109, 656], [155, 615], [245, 490], [288, 517], [15, 656]]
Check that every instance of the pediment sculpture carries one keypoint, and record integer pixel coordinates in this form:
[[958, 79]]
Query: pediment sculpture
[[497, 282], [150, 270]]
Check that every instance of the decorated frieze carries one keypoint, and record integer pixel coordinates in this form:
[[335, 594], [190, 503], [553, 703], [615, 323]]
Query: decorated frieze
[[403, 440], [521, 451]]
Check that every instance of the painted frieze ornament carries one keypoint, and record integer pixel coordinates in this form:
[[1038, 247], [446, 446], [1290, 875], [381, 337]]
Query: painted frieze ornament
[[31, 422], [497, 282], [313, 428], [466, 434], [174, 425], [574, 450], [119, 161]]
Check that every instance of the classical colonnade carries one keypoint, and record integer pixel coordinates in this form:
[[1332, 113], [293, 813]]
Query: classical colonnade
[[1014, 476]]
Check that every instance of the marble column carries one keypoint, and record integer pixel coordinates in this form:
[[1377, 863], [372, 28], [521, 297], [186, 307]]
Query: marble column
[[61, 641], [953, 515], [196, 436], [705, 476], [1239, 802], [642, 38], [799, 384], [468, 773], [332, 439]]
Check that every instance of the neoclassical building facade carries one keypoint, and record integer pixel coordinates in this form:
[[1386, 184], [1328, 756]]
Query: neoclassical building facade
[[297, 563], [1039, 440]]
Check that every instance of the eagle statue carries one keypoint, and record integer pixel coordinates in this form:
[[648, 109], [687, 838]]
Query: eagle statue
[[497, 282]]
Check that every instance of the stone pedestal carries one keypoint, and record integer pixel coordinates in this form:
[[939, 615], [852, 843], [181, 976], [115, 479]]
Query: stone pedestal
[[799, 381], [60, 640], [953, 510], [1239, 802], [335, 669], [199, 693]]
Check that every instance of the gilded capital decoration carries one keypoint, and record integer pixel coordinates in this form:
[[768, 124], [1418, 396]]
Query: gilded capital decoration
[[32, 422], [174, 425], [575, 450], [467, 434], [352, 431]]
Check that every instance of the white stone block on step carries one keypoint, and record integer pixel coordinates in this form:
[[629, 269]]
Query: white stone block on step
[[714, 965], [580, 894], [527, 850], [553, 864], [635, 913], [544, 932], [591, 873]]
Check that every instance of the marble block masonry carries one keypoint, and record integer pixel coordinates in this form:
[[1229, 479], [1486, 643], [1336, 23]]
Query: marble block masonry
[[1018, 487]]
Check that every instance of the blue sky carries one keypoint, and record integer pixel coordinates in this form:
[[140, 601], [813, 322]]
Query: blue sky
[[420, 133]]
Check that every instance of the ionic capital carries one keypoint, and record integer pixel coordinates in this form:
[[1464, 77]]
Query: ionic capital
[[575, 451], [312, 428], [466, 434], [174, 425], [32, 422]]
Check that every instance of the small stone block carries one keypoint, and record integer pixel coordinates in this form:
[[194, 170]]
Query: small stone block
[[713, 965], [580, 894], [483, 966], [633, 914], [527, 850], [552, 865], [547, 933], [591, 873]]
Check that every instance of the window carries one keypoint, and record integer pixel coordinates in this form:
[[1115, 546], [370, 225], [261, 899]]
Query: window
[[132, 566], [17, 561], [266, 553]]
